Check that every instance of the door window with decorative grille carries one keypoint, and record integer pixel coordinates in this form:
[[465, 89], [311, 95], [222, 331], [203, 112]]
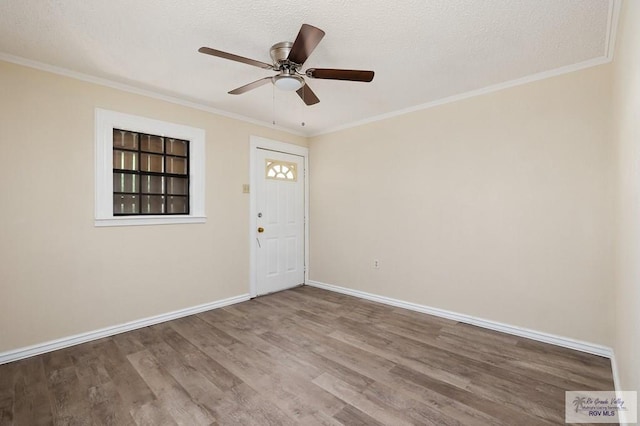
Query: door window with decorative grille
[[150, 174]]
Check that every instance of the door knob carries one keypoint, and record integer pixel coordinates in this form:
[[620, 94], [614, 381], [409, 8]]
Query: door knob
[[260, 229]]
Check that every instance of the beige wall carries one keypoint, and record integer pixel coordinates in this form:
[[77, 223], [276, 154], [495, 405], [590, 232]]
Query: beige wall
[[497, 206], [59, 275], [626, 113]]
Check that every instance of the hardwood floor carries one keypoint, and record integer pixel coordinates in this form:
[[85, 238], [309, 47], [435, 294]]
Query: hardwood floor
[[302, 356]]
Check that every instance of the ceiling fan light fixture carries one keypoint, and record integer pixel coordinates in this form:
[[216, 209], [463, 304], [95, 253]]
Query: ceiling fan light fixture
[[288, 82]]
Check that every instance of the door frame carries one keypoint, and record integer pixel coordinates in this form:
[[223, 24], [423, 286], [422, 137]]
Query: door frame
[[255, 143]]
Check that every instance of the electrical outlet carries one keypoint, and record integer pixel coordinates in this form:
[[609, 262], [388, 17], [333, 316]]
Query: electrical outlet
[[245, 188], [376, 264]]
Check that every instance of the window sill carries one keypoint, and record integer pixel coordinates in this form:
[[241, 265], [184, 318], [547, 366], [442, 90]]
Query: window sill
[[149, 220]]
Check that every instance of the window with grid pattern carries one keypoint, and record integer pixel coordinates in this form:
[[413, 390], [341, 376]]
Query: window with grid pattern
[[150, 174], [147, 171]]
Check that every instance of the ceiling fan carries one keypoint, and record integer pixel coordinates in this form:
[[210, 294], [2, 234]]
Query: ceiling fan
[[287, 60]]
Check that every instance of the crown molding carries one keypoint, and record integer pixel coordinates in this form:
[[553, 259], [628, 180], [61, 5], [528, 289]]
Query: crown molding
[[609, 49], [18, 60], [471, 94]]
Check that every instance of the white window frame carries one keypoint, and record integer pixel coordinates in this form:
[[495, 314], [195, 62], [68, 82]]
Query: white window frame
[[106, 121]]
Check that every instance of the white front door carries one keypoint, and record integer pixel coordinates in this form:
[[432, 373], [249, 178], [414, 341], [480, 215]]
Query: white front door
[[279, 180]]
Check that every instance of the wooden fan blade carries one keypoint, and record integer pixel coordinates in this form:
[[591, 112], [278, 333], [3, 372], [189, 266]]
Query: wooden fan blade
[[306, 41], [307, 95], [337, 74], [242, 89], [232, 57]]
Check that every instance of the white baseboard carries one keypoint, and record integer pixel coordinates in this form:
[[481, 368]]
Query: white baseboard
[[539, 336], [614, 368], [622, 415], [15, 355]]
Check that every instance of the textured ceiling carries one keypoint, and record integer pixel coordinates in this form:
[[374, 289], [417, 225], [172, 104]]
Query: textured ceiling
[[421, 50]]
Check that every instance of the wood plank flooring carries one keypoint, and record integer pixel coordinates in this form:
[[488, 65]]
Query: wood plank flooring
[[300, 357]]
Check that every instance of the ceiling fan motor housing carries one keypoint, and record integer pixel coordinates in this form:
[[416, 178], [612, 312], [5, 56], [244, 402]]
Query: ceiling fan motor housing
[[280, 53]]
